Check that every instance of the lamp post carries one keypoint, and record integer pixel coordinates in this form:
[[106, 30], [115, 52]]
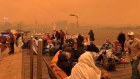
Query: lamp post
[[5, 20], [77, 23], [76, 16]]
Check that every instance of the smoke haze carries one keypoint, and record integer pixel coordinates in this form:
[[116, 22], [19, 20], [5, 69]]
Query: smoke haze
[[95, 12]]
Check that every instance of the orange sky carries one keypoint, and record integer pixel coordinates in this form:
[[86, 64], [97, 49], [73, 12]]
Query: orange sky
[[95, 12]]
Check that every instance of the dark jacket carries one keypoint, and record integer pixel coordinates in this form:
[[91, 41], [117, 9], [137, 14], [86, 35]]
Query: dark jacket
[[91, 36], [80, 41], [92, 48], [121, 38]]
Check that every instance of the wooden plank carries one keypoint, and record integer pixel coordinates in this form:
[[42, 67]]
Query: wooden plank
[[31, 59], [120, 73], [26, 66], [39, 59]]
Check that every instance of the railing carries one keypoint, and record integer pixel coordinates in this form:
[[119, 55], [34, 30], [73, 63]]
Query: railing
[[31, 59], [51, 72], [39, 59]]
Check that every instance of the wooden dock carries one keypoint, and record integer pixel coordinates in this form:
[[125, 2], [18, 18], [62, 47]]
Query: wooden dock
[[120, 73], [26, 66]]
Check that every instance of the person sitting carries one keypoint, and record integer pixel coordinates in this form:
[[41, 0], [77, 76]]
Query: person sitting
[[117, 50], [86, 68], [80, 46], [54, 48], [54, 66], [107, 45], [92, 48], [64, 62], [106, 51]]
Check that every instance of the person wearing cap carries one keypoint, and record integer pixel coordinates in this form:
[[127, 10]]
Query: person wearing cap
[[132, 46]]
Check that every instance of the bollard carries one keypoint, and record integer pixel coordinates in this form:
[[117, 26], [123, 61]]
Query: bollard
[[31, 59], [0, 55], [39, 59]]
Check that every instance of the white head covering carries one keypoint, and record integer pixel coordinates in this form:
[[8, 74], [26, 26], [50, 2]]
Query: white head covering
[[130, 33], [85, 68]]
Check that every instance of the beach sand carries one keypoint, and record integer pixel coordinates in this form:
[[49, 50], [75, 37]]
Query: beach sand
[[11, 65]]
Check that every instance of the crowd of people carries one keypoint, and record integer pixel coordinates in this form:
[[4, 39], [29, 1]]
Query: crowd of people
[[79, 57], [77, 62], [13, 39]]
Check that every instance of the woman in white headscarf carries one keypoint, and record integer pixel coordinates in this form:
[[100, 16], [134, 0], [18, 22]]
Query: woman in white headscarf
[[85, 68]]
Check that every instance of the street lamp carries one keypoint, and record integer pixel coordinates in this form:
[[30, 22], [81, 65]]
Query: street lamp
[[77, 23], [76, 16]]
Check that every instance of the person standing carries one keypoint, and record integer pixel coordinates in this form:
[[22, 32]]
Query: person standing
[[133, 48], [62, 36], [80, 45], [20, 41], [91, 35], [11, 42], [121, 38]]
